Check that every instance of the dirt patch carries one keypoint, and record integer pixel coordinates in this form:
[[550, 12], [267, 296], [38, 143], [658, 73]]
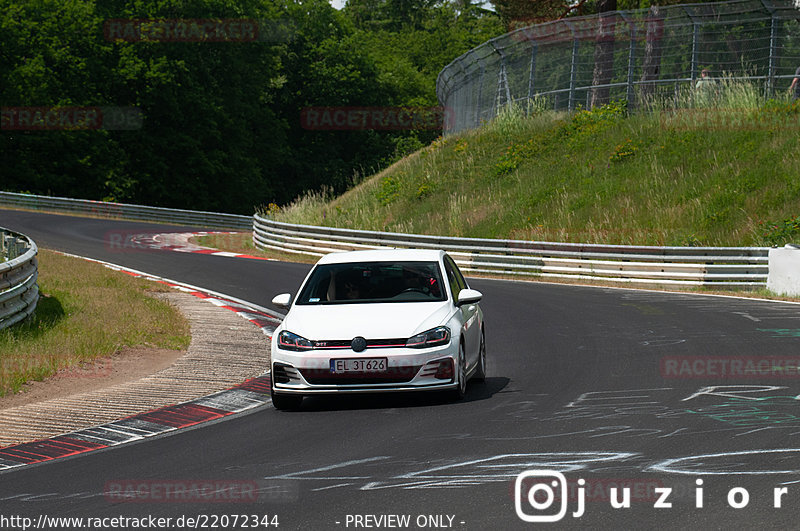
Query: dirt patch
[[126, 365]]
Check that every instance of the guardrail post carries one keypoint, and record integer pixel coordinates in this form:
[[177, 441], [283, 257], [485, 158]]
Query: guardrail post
[[12, 251]]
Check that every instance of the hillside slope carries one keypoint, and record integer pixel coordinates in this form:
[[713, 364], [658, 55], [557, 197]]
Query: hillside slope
[[723, 175]]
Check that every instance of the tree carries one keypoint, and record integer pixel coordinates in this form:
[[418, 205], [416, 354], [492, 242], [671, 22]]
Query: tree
[[222, 120], [393, 15], [651, 63], [520, 13], [604, 52]]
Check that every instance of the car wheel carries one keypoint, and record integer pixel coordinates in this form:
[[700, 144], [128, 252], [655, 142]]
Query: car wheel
[[480, 372], [461, 372], [285, 402]]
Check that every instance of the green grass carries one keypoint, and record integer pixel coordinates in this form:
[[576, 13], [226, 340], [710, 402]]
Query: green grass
[[719, 170], [85, 312]]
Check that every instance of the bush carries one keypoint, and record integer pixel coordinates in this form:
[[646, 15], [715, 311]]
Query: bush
[[779, 233]]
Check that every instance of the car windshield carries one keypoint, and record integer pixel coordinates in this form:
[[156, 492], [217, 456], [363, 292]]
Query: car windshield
[[373, 282]]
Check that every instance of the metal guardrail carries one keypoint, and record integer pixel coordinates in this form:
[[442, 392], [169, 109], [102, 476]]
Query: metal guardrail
[[18, 274], [746, 267], [126, 211]]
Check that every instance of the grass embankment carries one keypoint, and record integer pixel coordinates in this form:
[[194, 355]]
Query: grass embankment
[[721, 172], [85, 312]]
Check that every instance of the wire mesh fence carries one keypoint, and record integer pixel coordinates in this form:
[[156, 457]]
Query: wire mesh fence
[[638, 56]]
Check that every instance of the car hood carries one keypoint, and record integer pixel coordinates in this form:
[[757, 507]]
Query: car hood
[[369, 320]]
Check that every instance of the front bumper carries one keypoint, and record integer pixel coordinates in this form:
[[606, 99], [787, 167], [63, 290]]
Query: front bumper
[[408, 369]]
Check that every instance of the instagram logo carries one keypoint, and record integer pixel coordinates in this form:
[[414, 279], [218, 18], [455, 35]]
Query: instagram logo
[[540, 490]]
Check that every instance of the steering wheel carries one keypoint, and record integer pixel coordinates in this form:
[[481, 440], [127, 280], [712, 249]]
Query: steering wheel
[[418, 290]]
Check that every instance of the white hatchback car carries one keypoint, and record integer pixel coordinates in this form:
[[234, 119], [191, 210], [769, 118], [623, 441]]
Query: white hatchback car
[[371, 321]]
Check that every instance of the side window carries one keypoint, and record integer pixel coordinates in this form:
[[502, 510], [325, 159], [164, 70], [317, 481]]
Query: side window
[[454, 277]]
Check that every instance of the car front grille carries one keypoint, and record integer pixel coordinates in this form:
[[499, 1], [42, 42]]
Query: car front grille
[[335, 344], [393, 375]]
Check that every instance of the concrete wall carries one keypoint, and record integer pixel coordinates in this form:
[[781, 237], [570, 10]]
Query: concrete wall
[[784, 270]]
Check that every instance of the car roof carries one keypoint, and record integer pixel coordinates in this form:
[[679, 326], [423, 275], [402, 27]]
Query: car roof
[[387, 255]]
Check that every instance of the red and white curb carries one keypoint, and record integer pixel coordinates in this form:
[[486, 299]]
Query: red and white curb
[[267, 320], [179, 242], [247, 395]]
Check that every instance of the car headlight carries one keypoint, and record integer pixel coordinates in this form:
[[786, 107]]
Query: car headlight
[[290, 341], [430, 338]]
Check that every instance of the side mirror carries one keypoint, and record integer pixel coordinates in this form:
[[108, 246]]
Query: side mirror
[[284, 300], [468, 296]]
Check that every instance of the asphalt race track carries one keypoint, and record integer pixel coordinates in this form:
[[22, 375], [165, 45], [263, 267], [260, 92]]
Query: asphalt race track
[[617, 387]]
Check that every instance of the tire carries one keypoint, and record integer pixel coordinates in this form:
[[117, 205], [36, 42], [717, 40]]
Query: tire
[[461, 389], [480, 372], [285, 402]]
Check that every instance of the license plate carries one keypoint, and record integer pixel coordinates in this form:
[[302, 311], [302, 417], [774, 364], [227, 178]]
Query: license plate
[[359, 365]]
